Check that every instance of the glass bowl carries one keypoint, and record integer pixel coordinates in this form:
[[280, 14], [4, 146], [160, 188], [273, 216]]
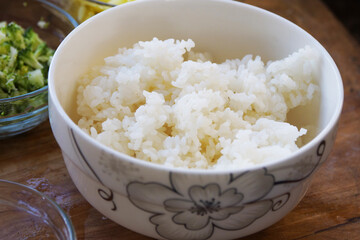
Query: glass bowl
[[22, 113], [33, 108], [26, 213]]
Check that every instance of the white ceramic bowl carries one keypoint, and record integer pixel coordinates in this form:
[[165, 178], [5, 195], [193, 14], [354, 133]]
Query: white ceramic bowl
[[162, 202]]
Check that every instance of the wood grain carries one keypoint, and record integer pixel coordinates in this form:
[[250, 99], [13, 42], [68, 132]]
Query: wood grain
[[331, 208]]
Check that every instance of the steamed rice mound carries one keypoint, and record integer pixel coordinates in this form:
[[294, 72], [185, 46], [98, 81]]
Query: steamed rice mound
[[163, 103]]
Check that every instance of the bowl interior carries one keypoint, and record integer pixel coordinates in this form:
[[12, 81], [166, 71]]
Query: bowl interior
[[226, 29]]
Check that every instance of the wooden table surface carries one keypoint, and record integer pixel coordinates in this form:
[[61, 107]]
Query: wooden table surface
[[330, 209]]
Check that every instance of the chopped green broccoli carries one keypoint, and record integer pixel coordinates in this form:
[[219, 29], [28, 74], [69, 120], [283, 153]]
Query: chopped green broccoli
[[10, 83], [2, 32], [36, 79], [32, 39], [8, 61], [28, 57], [44, 54], [15, 34], [24, 65], [12, 61], [5, 48]]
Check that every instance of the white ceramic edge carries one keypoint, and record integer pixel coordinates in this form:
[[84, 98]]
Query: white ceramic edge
[[312, 144]]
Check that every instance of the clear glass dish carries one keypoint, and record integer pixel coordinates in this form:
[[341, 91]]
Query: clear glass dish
[[26, 213], [32, 108]]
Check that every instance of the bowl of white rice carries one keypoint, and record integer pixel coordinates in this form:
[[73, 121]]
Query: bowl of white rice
[[193, 119]]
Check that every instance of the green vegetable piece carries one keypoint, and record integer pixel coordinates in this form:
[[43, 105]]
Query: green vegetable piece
[[32, 39], [22, 69], [13, 56], [24, 66], [5, 48], [3, 37], [8, 61], [40, 50], [21, 82], [15, 33], [4, 63], [46, 55], [9, 85], [36, 79], [29, 58]]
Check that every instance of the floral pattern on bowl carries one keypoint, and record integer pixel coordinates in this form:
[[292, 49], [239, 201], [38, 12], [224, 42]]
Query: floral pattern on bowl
[[186, 211], [193, 207]]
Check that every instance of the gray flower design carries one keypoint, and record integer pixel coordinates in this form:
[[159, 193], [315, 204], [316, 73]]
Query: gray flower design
[[201, 208], [185, 211]]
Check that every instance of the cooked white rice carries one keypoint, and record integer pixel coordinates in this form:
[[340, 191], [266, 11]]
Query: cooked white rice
[[161, 102]]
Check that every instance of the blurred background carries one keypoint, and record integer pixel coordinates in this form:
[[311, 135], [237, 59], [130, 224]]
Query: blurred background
[[347, 11]]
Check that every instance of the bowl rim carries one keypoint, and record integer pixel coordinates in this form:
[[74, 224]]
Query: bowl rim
[[105, 4], [60, 10], [159, 167], [24, 115], [26, 95], [64, 216]]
